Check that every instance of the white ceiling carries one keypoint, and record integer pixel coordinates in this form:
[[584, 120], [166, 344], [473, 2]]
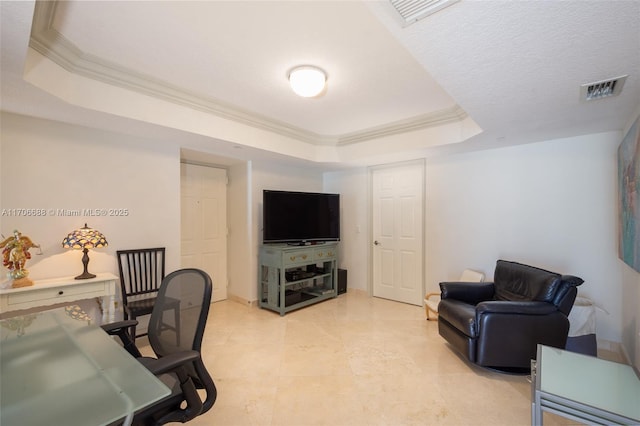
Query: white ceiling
[[493, 73]]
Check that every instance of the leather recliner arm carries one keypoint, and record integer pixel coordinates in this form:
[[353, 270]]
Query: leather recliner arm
[[512, 307], [471, 293]]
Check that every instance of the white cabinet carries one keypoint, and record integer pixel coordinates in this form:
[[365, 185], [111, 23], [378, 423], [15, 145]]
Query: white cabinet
[[292, 277], [61, 290]]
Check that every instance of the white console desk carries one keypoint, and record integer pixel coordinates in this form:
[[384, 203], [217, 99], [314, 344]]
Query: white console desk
[[61, 290], [583, 388]]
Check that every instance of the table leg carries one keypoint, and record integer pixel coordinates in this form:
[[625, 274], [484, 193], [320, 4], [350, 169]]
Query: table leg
[[108, 308], [536, 408]]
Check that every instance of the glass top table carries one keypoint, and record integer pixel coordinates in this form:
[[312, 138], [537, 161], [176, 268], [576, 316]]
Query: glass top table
[[583, 388], [56, 368]]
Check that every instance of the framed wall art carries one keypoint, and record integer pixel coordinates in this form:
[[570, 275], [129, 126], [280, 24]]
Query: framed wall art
[[629, 197]]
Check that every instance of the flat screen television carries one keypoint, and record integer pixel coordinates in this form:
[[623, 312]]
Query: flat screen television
[[300, 217]]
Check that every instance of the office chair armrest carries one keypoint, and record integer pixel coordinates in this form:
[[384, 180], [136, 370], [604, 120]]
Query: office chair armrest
[[115, 327], [171, 362], [121, 329]]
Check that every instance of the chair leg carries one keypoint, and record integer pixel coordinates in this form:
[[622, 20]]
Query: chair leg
[[431, 314], [133, 331]]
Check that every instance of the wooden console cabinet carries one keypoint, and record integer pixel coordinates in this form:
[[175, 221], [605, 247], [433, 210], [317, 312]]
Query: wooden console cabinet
[[292, 277]]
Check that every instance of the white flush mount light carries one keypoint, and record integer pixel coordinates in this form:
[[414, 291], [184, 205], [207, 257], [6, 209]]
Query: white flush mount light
[[307, 81]]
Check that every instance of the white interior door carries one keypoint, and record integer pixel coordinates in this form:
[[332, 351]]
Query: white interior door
[[398, 223], [204, 223]]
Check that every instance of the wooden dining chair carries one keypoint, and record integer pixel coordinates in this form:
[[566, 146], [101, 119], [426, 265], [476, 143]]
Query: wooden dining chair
[[141, 273]]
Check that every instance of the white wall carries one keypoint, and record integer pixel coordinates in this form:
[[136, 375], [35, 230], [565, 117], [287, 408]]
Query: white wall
[[240, 228], [550, 204], [352, 185], [52, 166]]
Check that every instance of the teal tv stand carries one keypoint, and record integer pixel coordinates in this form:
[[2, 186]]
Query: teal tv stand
[[292, 277]]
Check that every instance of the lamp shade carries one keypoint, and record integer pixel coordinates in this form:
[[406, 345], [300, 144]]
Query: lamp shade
[[84, 238], [307, 81]]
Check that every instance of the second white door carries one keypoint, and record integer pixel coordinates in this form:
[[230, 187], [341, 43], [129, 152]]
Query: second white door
[[398, 218], [204, 223]]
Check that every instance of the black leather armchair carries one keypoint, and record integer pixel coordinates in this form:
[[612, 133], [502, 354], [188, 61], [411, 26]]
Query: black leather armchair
[[499, 324]]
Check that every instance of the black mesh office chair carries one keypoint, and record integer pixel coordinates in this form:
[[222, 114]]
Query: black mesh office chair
[[178, 361], [141, 272]]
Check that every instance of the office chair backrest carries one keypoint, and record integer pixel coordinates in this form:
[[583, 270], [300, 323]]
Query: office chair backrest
[[191, 290], [177, 324], [141, 271]]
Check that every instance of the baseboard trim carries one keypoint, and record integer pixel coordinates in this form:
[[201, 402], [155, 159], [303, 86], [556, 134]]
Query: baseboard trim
[[254, 303], [242, 300], [616, 349]]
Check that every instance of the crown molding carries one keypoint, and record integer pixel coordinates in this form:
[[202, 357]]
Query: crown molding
[[53, 45], [438, 118]]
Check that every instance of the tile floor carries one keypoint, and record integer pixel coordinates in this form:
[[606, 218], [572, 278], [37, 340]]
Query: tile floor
[[353, 360]]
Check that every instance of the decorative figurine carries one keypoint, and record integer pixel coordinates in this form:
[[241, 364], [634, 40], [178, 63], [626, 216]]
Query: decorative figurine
[[15, 253]]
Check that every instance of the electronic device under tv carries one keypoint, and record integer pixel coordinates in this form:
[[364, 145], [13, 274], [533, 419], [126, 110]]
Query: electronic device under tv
[[300, 217]]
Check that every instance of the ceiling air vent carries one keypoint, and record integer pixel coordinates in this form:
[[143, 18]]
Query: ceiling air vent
[[414, 10], [602, 89]]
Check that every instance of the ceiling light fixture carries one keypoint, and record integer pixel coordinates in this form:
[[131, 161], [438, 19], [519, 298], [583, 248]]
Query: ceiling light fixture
[[307, 81]]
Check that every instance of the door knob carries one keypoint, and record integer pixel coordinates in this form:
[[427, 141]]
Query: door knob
[[378, 243]]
